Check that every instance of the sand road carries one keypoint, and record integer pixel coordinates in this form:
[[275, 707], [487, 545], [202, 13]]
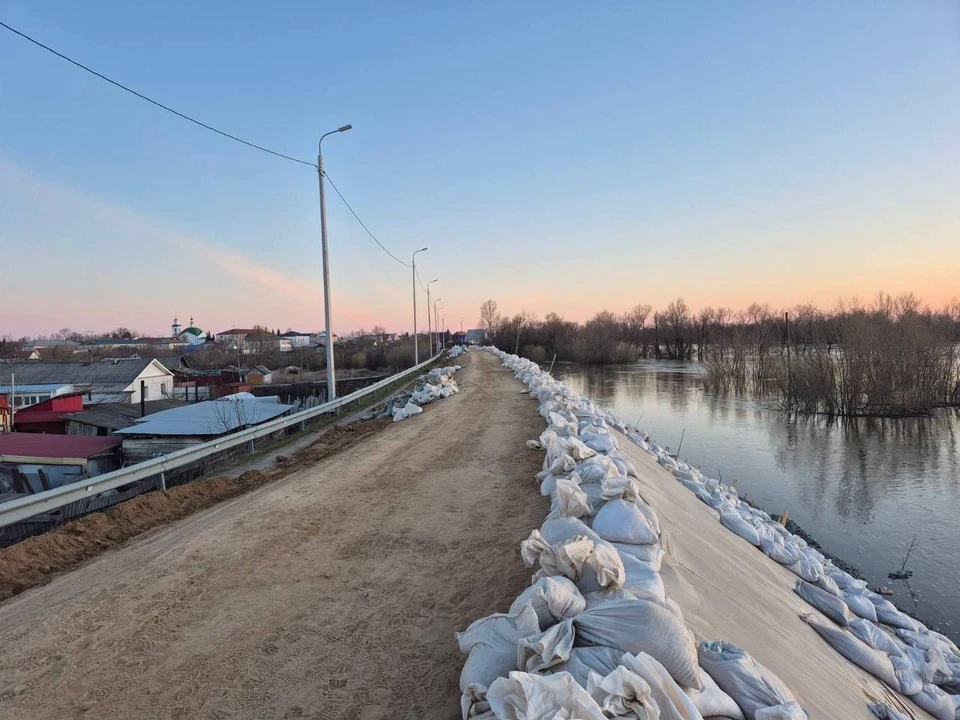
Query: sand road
[[332, 593]]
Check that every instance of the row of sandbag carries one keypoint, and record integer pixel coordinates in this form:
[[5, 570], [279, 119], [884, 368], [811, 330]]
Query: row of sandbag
[[436, 384], [906, 655], [595, 635], [456, 351]]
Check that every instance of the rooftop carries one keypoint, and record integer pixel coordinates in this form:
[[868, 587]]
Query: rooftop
[[77, 373], [116, 416], [211, 417], [14, 446]]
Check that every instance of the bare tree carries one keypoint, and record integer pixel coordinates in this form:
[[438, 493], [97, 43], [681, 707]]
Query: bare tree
[[489, 316]]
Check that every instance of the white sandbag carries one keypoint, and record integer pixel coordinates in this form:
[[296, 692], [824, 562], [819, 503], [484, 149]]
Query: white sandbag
[[734, 522], [859, 605], [553, 599], [568, 557], [670, 698], [604, 567], [787, 711], [642, 579], [620, 521], [597, 468], [491, 645], [601, 443], [807, 568], [623, 693], [859, 653], [605, 595], [936, 702], [830, 605], [752, 686], [474, 705], [584, 660], [537, 652], [410, 409], [532, 548], [909, 680], [846, 581], [652, 554], [572, 501], [557, 529], [712, 701], [889, 615], [523, 696], [825, 582], [874, 636], [643, 626], [778, 551], [622, 488], [650, 514], [931, 664]]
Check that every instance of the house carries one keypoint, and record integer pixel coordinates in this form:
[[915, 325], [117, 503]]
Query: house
[[264, 342], [171, 430], [32, 463], [48, 416], [476, 337], [118, 380], [4, 415], [29, 394], [259, 375], [298, 339], [102, 420], [20, 356], [234, 336], [320, 339]]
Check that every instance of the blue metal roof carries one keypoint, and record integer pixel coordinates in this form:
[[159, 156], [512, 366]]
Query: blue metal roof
[[212, 417]]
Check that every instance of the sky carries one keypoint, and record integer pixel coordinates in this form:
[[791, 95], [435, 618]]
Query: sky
[[562, 157]]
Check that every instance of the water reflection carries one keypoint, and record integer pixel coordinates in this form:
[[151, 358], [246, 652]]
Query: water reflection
[[861, 486]]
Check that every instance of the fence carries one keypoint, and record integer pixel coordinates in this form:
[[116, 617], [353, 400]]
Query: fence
[[110, 488]]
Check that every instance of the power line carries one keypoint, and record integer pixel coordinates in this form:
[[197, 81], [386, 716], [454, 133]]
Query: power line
[[154, 102], [327, 176]]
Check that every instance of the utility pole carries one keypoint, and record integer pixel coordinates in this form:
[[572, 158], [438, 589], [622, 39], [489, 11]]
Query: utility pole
[[331, 371], [416, 344], [436, 324]]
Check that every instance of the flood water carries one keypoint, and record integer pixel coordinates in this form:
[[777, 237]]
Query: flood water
[[861, 488]]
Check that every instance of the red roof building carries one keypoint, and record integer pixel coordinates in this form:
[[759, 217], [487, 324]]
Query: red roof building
[[48, 416], [19, 447], [4, 415]]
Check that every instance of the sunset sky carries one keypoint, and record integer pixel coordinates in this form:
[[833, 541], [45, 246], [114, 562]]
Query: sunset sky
[[553, 156]]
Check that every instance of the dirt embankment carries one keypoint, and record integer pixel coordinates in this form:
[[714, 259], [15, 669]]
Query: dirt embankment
[[37, 559]]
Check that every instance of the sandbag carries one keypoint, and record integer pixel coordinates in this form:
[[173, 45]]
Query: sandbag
[[620, 488], [553, 599], [889, 615], [787, 711], [734, 522], [652, 554], [604, 568], [712, 701], [605, 595], [541, 697], [567, 558], [620, 521], [557, 529], [623, 693], [778, 551], [830, 605], [908, 675], [537, 652], [859, 605], [640, 580], [584, 660], [643, 626], [597, 468], [874, 636], [650, 514], [491, 645], [807, 568], [936, 702], [670, 698], [825, 582], [571, 500], [752, 686], [859, 653]]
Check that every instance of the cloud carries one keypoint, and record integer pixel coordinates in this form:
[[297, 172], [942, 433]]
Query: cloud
[[251, 272]]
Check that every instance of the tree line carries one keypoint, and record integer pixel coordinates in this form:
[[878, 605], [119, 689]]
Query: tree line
[[894, 356]]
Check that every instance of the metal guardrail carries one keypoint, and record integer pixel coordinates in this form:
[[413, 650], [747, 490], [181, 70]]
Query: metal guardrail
[[21, 509]]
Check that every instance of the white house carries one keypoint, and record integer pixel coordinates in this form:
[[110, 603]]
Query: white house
[[191, 335], [104, 381], [298, 339]]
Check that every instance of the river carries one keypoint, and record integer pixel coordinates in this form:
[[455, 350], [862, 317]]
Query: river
[[861, 487]]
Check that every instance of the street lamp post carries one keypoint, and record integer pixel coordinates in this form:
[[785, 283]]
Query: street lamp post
[[436, 323], [443, 324], [416, 345], [331, 371], [429, 322]]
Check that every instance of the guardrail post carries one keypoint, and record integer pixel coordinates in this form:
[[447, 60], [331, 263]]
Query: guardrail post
[[251, 447], [163, 481]]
